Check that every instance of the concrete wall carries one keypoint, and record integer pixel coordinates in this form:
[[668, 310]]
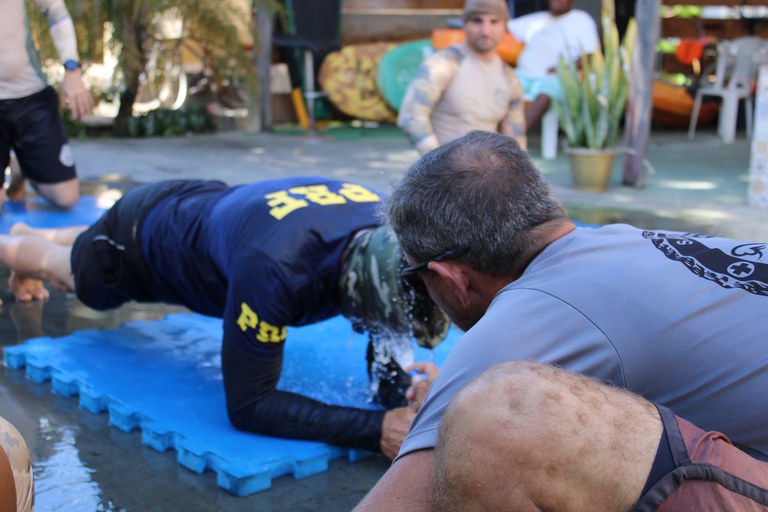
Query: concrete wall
[[366, 21], [399, 20]]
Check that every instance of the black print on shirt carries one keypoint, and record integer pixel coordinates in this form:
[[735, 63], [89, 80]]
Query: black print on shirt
[[741, 266]]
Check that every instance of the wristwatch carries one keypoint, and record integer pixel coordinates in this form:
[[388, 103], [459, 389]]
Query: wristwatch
[[71, 65]]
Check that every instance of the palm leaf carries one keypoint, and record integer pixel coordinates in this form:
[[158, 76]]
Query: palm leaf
[[594, 99]]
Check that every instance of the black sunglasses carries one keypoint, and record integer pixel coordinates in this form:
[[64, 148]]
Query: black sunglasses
[[412, 270]]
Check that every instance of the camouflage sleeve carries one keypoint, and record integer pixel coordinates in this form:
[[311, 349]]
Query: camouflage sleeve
[[513, 124], [423, 94]]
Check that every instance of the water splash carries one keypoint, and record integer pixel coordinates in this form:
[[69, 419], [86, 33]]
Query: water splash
[[389, 355]]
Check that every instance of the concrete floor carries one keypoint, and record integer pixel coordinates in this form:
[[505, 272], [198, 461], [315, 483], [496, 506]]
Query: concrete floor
[[83, 464]]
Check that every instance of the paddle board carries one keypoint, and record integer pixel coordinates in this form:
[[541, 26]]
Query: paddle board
[[348, 76], [398, 67]]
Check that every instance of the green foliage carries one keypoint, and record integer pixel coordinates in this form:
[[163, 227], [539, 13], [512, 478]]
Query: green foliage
[[167, 123], [136, 25], [595, 96], [74, 127]]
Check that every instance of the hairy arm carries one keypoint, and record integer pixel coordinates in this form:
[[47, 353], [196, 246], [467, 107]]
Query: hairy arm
[[409, 485]]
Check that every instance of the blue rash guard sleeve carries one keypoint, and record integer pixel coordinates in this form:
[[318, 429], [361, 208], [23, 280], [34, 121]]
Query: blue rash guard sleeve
[[255, 405]]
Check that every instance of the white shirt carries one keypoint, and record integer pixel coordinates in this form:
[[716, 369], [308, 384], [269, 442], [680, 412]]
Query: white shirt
[[546, 37], [20, 73]]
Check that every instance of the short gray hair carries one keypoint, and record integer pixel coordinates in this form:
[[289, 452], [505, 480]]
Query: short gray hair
[[480, 192]]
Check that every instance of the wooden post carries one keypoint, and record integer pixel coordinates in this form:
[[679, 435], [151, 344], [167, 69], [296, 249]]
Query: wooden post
[[637, 128], [758, 161], [260, 104]]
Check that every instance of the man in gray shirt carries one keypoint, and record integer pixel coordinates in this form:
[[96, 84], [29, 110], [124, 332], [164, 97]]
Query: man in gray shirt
[[671, 316]]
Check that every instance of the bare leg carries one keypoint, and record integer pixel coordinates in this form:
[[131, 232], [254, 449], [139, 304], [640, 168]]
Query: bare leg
[[64, 194], [61, 236], [32, 258], [525, 436], [535, 110]]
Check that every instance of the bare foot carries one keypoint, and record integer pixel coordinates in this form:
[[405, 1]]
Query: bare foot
[[59, 236], [26, 289], [20, 228]]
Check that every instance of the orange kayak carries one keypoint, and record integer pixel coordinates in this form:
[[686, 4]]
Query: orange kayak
[[509, 48], [672, 106]]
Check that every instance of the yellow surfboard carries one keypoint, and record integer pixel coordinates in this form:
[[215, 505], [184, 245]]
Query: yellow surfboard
[[348, 76]]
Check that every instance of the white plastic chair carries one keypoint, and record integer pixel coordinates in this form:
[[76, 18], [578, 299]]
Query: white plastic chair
[[550, 126], [735, 75]]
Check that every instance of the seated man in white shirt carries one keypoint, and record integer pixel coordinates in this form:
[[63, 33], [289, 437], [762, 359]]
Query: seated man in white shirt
[[547, 35]]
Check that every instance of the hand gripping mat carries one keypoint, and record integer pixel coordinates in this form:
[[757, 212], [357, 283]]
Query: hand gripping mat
[[164, 377], [38, 213]]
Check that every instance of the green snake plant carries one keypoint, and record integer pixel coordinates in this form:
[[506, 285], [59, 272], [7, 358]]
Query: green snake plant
[[595, 96]]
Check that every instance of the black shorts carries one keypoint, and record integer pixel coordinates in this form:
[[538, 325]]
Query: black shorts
[[32, 126], [107, 259]]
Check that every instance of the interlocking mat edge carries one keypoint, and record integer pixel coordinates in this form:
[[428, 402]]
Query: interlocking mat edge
[[164, 378]]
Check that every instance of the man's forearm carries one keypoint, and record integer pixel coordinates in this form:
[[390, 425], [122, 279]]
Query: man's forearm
[[409, 485], [285, 414]]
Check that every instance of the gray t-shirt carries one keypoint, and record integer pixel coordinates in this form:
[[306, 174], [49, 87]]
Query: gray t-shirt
[[671, 316]]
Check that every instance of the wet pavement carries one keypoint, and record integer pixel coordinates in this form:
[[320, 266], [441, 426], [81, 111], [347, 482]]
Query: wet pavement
[[83, 464]]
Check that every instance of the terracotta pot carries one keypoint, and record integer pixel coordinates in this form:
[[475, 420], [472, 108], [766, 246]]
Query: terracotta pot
[[591, 169]]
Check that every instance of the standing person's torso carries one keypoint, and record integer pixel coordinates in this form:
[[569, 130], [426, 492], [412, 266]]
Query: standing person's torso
[[20, 73], [477, 98], [546, 37]]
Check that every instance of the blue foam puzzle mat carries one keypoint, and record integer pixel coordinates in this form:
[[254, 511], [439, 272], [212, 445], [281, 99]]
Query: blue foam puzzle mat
[[164, 378], [39, 213]]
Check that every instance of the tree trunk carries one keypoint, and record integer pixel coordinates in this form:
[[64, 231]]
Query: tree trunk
[[260, 101], [133, 63]]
